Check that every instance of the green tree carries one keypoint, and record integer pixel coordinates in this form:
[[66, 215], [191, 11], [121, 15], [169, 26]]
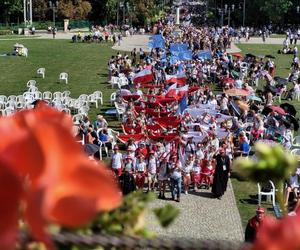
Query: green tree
[[78, 10], [275, 9], [11, 10], [40, 9]]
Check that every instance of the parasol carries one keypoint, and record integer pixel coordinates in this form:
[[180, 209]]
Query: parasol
[[254, 98], [237, 92], [250, 55], [293, 121], [276, 109], [289, 108], [280, 80], [91, 149], [238, 55]]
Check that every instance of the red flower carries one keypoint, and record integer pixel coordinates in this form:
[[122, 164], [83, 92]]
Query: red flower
[[279, 234], [43, 167]]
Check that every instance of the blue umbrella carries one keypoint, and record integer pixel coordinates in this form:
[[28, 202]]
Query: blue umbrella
[[254, 98]]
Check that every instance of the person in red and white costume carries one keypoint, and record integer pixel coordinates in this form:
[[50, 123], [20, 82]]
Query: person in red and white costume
[[116, 161]]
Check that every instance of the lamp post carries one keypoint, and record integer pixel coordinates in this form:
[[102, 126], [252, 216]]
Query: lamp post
[[229, 12], [54, 5], [27, 12], [244, 12]]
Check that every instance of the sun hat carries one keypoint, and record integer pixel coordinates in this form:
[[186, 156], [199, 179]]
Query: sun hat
[[260, 210]]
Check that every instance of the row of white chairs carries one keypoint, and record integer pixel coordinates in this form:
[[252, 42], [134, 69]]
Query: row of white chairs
[[118, 81], [63, 76]]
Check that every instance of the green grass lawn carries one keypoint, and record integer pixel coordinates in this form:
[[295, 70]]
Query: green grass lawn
[[85, 63]]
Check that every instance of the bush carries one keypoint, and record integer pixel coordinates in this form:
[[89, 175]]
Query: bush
[[5, 32]]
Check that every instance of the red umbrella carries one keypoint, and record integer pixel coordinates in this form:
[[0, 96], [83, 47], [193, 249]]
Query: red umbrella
[[238, 55], [278, 109], [228, 80]]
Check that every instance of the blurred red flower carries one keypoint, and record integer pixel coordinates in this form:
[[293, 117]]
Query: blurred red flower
[[45, 177], [279, 234]]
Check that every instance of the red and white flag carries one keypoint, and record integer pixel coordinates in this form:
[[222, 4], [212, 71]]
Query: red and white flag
[[182, 91], [175, 92], [180, 79], [144, 76], [172, 91]]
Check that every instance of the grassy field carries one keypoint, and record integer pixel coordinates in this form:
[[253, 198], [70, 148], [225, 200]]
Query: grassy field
[[86, 65]]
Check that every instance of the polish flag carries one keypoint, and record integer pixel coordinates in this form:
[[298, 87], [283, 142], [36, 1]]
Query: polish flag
[[180, 79], [177, 93], [144, 76], [182, 91], [172, 91]]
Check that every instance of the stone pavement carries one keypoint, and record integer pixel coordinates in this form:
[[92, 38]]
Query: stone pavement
[[202, 217], [258, 40]]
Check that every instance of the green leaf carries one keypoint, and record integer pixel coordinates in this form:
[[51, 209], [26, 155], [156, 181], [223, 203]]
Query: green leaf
[[166, 214]]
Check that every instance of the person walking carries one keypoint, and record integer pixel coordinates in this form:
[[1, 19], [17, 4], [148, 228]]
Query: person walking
[[175, 179], [222, 173]]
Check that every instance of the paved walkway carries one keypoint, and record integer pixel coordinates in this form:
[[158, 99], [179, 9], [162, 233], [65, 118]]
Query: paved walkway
[[202, 217], [258, 40]]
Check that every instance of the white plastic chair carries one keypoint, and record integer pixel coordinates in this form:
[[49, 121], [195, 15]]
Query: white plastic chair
[[99, 96], [113, 98], [8, 111], [296, 142], [31, 83], [12, 98], [66, 110], [83, 97], [47, 95], [82, 141], [123, 81], [77, 118], [33, 89], [296, 96], [120, 110], [270, 194], [66, 93], [63, 77], [296, 152], [3, 98], [38, 95], [115, 82], [12, 104], [41, 72], [29, 98], [92, 99], [57, 95]]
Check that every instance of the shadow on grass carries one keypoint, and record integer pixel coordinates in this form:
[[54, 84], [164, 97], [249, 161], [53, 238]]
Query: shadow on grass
[[235, 175]]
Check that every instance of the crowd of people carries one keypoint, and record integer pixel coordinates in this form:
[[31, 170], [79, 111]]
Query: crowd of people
[[185, 118]]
